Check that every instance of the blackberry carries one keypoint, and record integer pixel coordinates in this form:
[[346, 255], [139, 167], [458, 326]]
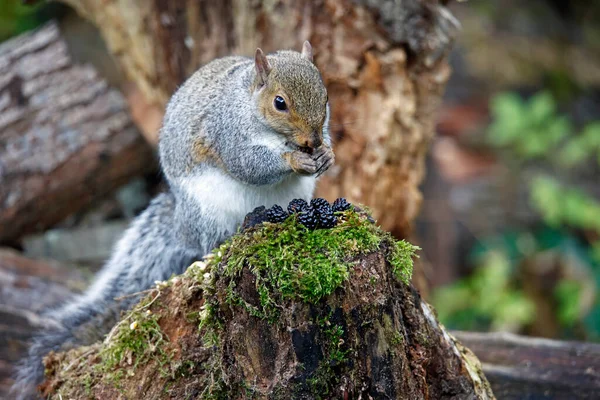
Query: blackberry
[[308, 218], [319, 202], [341, 204], [326, 218], [325, 214], [296, 205], [276, 214]]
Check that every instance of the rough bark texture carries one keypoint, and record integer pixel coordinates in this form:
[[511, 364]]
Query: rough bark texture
[[21, 280], [533, 368], [383, 62], [65, 136], [373, 337]]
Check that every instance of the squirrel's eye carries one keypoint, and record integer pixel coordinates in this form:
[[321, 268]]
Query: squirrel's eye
[[279, 103]]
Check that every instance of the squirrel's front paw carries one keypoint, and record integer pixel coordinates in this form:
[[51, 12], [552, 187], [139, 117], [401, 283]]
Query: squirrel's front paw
[[324, 157], [301, 163]]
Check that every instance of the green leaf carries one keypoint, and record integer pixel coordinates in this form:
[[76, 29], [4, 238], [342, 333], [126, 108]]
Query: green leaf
[[591, 133], [568, 296], [545, 198], [541, 108], [574, 152], [595, 251], [507, 111], [532, 146]]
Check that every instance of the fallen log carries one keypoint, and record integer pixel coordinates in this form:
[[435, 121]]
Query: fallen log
[[280, 312], [27, 287], [533, 368], [66, 137]]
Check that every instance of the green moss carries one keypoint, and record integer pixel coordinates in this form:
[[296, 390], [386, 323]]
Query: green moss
[[334, 337], [393, 337], [335, 356], [397, 338], [401, 259], [300, 263], [87, 384], [135, 341], [140, 342], [291, 262]]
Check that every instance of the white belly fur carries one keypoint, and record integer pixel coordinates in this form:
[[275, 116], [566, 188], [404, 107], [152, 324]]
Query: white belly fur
[[229, 200]]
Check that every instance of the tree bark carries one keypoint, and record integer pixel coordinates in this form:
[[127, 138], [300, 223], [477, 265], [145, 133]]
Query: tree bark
[[66, 138], [383, 62]]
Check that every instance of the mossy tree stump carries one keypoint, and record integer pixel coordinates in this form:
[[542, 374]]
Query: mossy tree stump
[[280, 312]]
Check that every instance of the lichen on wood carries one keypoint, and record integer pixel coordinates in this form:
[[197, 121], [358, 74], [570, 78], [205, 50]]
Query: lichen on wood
[[279, 312]]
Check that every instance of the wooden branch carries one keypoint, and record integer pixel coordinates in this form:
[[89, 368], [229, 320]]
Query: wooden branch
[[532, 368], [66, 138]]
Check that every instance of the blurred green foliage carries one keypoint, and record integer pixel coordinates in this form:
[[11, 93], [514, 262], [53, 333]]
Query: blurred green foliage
[[16, 17], [562, 206], [492, 297], [531, 128], [486, 300]]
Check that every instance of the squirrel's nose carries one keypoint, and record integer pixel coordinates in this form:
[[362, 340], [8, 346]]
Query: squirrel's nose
[[314, 141]]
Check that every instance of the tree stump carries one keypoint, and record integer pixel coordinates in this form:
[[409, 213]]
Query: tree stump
[[280, 312]]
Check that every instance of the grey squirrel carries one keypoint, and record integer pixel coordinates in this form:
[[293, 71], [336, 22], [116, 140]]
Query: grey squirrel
[[238, 134]]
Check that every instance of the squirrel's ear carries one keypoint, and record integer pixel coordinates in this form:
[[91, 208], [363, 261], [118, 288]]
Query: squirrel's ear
[[262, 66], [307, 51]]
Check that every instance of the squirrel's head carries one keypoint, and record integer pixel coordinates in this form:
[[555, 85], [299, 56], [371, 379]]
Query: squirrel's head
[[291, 95]]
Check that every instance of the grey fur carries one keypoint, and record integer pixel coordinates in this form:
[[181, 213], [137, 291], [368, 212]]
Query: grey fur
[[215, 108]]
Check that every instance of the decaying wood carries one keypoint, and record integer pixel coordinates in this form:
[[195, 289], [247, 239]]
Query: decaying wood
[[27, 287], [65, 136], [393, 347], [533, 368], [383, 62]]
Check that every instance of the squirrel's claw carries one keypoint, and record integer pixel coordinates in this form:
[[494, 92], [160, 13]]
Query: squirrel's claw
[[325, 160], [324, 167]]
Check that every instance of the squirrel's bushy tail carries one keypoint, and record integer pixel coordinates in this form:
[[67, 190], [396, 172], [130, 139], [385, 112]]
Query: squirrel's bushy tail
[[30, 371], [147, 252], [81, 322]]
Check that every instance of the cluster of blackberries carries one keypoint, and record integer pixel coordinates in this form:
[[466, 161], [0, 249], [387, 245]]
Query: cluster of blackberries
[[276, 214], [316, 214]]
